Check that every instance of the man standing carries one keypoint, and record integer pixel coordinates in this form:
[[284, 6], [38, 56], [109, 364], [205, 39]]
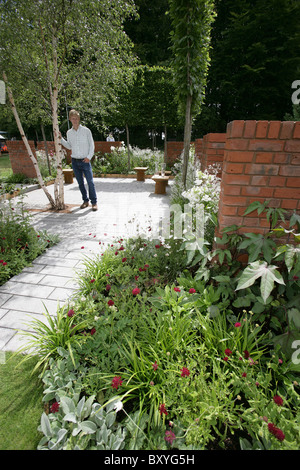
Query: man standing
[[80, 141]]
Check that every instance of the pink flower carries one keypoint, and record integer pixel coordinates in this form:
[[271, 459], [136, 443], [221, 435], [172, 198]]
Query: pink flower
[[192, 290], [135, 291], [278, 400], [185, 372], [116, 382], [237, 324], [155, 365], [176, 289], [170, 437]]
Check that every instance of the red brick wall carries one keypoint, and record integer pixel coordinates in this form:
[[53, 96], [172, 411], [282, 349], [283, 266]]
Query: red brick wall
[[174, 150], [211, 151], [261, 162], [19, 158]]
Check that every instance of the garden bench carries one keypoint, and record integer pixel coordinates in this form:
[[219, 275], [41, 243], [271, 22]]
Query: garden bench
[[140, 172], [68, 175], [160, 184]]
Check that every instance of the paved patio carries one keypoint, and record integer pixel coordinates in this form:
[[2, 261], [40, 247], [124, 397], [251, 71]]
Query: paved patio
[[126, 208]]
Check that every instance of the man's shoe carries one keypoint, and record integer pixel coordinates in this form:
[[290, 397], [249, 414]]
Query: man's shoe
[[94, 207], [84, 205]]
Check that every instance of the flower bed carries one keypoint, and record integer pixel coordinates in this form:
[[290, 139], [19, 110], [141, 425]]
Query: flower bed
[[162, 350]]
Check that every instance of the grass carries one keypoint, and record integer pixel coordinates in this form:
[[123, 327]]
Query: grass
[[5, 166], [20, 404]]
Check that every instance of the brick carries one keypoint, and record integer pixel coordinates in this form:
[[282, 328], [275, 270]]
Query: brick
[[284, 158], [264, 157], [292, 146], [259, 180], [296, 134], [234, 168], [287, 128], [287, 193], [274, 129], [250, 129], [240, 157], [237, 144], [254, 222], [237, 128], [226, 221], [266, 145], [289, 204], [229, 210], [257, 191], [232, 190], [293, 182], [289, 171], [234, 201], [235, 179], [216, 137], [261, 169], [277, 181], [262, 129], [295, 160]]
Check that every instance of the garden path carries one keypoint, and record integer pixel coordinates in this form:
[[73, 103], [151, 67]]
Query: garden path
[[126, 208]]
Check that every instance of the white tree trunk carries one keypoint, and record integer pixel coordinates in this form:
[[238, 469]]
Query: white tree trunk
[[32, 157], [187, 138]]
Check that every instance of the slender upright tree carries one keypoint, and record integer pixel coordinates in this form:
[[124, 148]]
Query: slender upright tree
[[191, 35]]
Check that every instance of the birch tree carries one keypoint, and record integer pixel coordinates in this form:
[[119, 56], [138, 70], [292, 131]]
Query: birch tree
[[75, 47], [190, 36]]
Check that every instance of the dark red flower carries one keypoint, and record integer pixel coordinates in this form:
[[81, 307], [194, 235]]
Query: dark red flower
[[162, 409], [108, 287], [110, 303], [170, 437], [246, 354], [71, 313], [276, 432], [278, 400], [176, 289], [135, 291], [93, 331], [116, 382], [155, 365], [54, 407], [228, 352], [192, 290], [185, 372]]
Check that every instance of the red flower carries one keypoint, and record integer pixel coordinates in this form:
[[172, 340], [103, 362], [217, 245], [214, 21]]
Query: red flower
[[135, 291], [108, 287], [237, 324], [276, 432], [185, 372], [93, 331], [110, 303], [155, 365], [244, 374], [228, 352], [92, 280], [54, 408], [192, 290], [162, 409], [246, 354], [116, 382], [176, 289], [146, 266], [71, 313], [123, 260], [225, 358], [278, 400], [157, 246]]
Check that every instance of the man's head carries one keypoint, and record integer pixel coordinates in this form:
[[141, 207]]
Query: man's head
[[74, 117]]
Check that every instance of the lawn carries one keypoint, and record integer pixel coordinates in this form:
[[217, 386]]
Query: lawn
[[5, 166], [20, 404]]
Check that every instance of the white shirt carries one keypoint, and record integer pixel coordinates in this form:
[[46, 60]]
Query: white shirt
[[81, 142]]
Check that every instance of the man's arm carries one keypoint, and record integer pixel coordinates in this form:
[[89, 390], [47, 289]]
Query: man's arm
[[91, 145], [65, 143]]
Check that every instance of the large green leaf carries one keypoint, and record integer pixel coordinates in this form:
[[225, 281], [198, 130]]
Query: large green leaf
[[267, 273]]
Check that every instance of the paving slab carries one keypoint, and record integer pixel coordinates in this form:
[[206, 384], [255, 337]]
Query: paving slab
[[127, 208]]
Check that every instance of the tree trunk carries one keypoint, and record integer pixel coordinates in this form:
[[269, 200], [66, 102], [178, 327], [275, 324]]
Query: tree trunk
[[32, 157], [46, 148], [187, 138], [166, 146], [128, 147]]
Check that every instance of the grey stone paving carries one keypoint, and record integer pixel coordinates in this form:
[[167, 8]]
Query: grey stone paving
[[126, 208]]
